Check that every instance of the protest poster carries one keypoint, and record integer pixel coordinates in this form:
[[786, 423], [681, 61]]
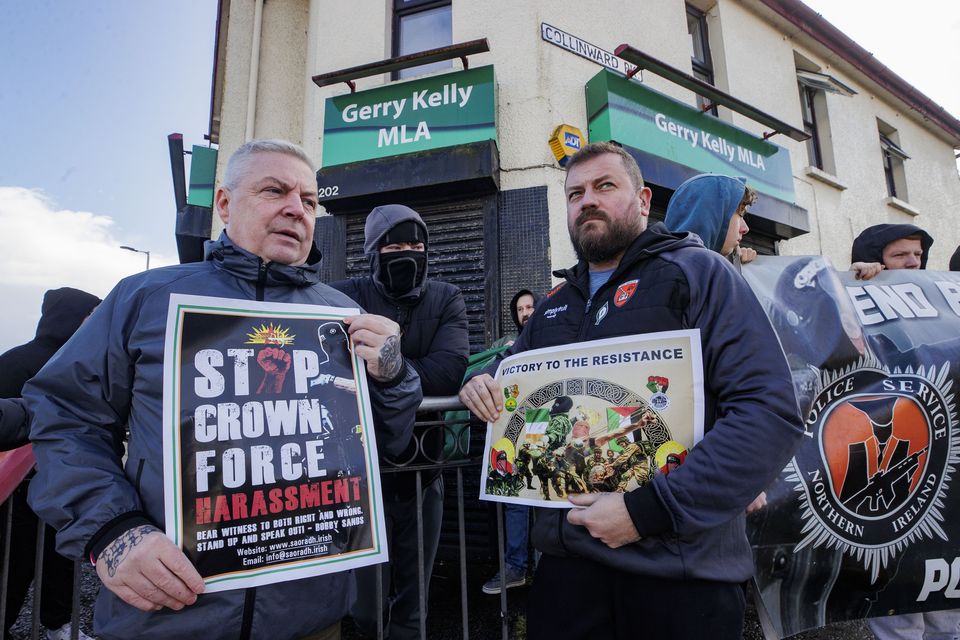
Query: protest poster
[[604, 415], [865, 519], [270, 462]]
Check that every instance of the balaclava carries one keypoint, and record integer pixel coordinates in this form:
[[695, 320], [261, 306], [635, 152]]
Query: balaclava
[[399, 274]]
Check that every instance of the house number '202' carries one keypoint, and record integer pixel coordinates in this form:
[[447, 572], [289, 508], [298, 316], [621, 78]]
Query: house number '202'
[[328, 192]]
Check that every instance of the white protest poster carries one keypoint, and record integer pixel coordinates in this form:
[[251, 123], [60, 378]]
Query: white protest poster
[[604, 415], [270, 461]]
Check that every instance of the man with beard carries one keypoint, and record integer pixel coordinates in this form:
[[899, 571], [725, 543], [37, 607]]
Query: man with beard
[[672, 553], [516, 517]]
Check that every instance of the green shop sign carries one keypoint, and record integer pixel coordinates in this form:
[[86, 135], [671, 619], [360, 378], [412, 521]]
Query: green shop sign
[[430, 113], [639, 117]]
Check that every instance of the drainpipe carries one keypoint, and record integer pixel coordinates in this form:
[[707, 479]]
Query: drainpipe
[[254, 70]]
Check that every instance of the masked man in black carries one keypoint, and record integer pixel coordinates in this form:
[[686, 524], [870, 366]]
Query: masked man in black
[[433, 323]]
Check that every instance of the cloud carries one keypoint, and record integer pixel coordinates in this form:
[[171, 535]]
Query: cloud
[[43, 247]]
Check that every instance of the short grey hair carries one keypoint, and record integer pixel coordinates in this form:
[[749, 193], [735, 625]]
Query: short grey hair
[[238, 162]]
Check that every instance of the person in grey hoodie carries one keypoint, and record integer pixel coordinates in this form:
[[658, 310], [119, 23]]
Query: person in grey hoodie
[[669, 558]]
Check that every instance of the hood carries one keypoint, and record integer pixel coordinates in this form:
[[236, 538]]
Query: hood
[[379, 222], [513, 305], [62, 313], [955, 260], [654, 240], [704, 205], [868, 247]]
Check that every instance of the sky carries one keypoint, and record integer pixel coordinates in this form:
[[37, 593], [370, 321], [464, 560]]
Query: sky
[[90, 91]]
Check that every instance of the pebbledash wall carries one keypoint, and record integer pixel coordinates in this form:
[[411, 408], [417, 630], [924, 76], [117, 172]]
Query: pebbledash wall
[[756, 49]]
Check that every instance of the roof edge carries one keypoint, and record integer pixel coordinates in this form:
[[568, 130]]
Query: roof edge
[[817, 27]]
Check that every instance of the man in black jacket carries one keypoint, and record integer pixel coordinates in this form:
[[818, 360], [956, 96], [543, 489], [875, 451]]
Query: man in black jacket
[[62, 313], [433, 322], [667, 558]]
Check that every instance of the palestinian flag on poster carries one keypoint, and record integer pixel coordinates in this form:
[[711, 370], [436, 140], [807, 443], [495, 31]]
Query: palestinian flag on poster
[[537, 421], [618, 419]]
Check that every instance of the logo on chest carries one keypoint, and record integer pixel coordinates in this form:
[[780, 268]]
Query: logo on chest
[[602, 313], [624, 292], [551, 313]]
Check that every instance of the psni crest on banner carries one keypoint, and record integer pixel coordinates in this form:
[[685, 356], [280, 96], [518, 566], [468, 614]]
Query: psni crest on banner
[[877, 480]]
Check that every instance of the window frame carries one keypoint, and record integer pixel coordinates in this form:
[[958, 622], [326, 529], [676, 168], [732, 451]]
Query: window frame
[[893, 158], [808, 114], [404, 8], [702, 69]]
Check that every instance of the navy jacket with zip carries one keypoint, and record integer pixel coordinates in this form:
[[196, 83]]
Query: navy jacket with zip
[[109, 375], [691, 521]]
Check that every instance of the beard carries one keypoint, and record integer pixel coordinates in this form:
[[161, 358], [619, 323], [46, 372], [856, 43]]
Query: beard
[[601, 246]]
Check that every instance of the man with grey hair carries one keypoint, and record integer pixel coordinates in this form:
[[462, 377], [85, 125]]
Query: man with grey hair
[[110, 376], [668, 558]]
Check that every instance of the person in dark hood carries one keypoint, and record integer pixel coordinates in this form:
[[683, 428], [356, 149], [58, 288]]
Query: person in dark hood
[[516, 517], [889, 246], [433, 322], [955, 260], [899, 246], [713, 207], [522, 306], [62, 312]]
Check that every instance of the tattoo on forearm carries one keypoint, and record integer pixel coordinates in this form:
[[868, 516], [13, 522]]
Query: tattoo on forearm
[[119, 549], [390, 361]]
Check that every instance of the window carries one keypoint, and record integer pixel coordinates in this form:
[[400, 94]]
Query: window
[[893, 161], [808, 108], [814, 87], [419, 25], [700, 51]]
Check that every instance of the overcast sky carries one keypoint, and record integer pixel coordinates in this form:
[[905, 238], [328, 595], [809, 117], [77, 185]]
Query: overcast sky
[[91, 89]]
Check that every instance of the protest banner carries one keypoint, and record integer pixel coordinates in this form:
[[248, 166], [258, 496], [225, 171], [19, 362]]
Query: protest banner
[[270, 462], [864, 521], [604, 415]]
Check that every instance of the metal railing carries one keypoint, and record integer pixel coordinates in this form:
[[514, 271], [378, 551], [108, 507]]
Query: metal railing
[[456, 456], [15, 466]]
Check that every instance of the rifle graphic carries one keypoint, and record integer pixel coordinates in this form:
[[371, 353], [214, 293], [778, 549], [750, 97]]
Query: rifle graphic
[[344, 384], [879, 491]]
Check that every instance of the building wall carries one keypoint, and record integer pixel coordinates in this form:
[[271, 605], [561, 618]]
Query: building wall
[[541, 86]]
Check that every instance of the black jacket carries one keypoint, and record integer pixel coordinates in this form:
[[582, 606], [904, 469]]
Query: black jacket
[[434, 342], [691, 521], [62, 312], [868, 246]]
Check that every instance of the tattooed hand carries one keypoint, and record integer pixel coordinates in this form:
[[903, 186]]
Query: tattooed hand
[[377, 341], [146, 570]]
